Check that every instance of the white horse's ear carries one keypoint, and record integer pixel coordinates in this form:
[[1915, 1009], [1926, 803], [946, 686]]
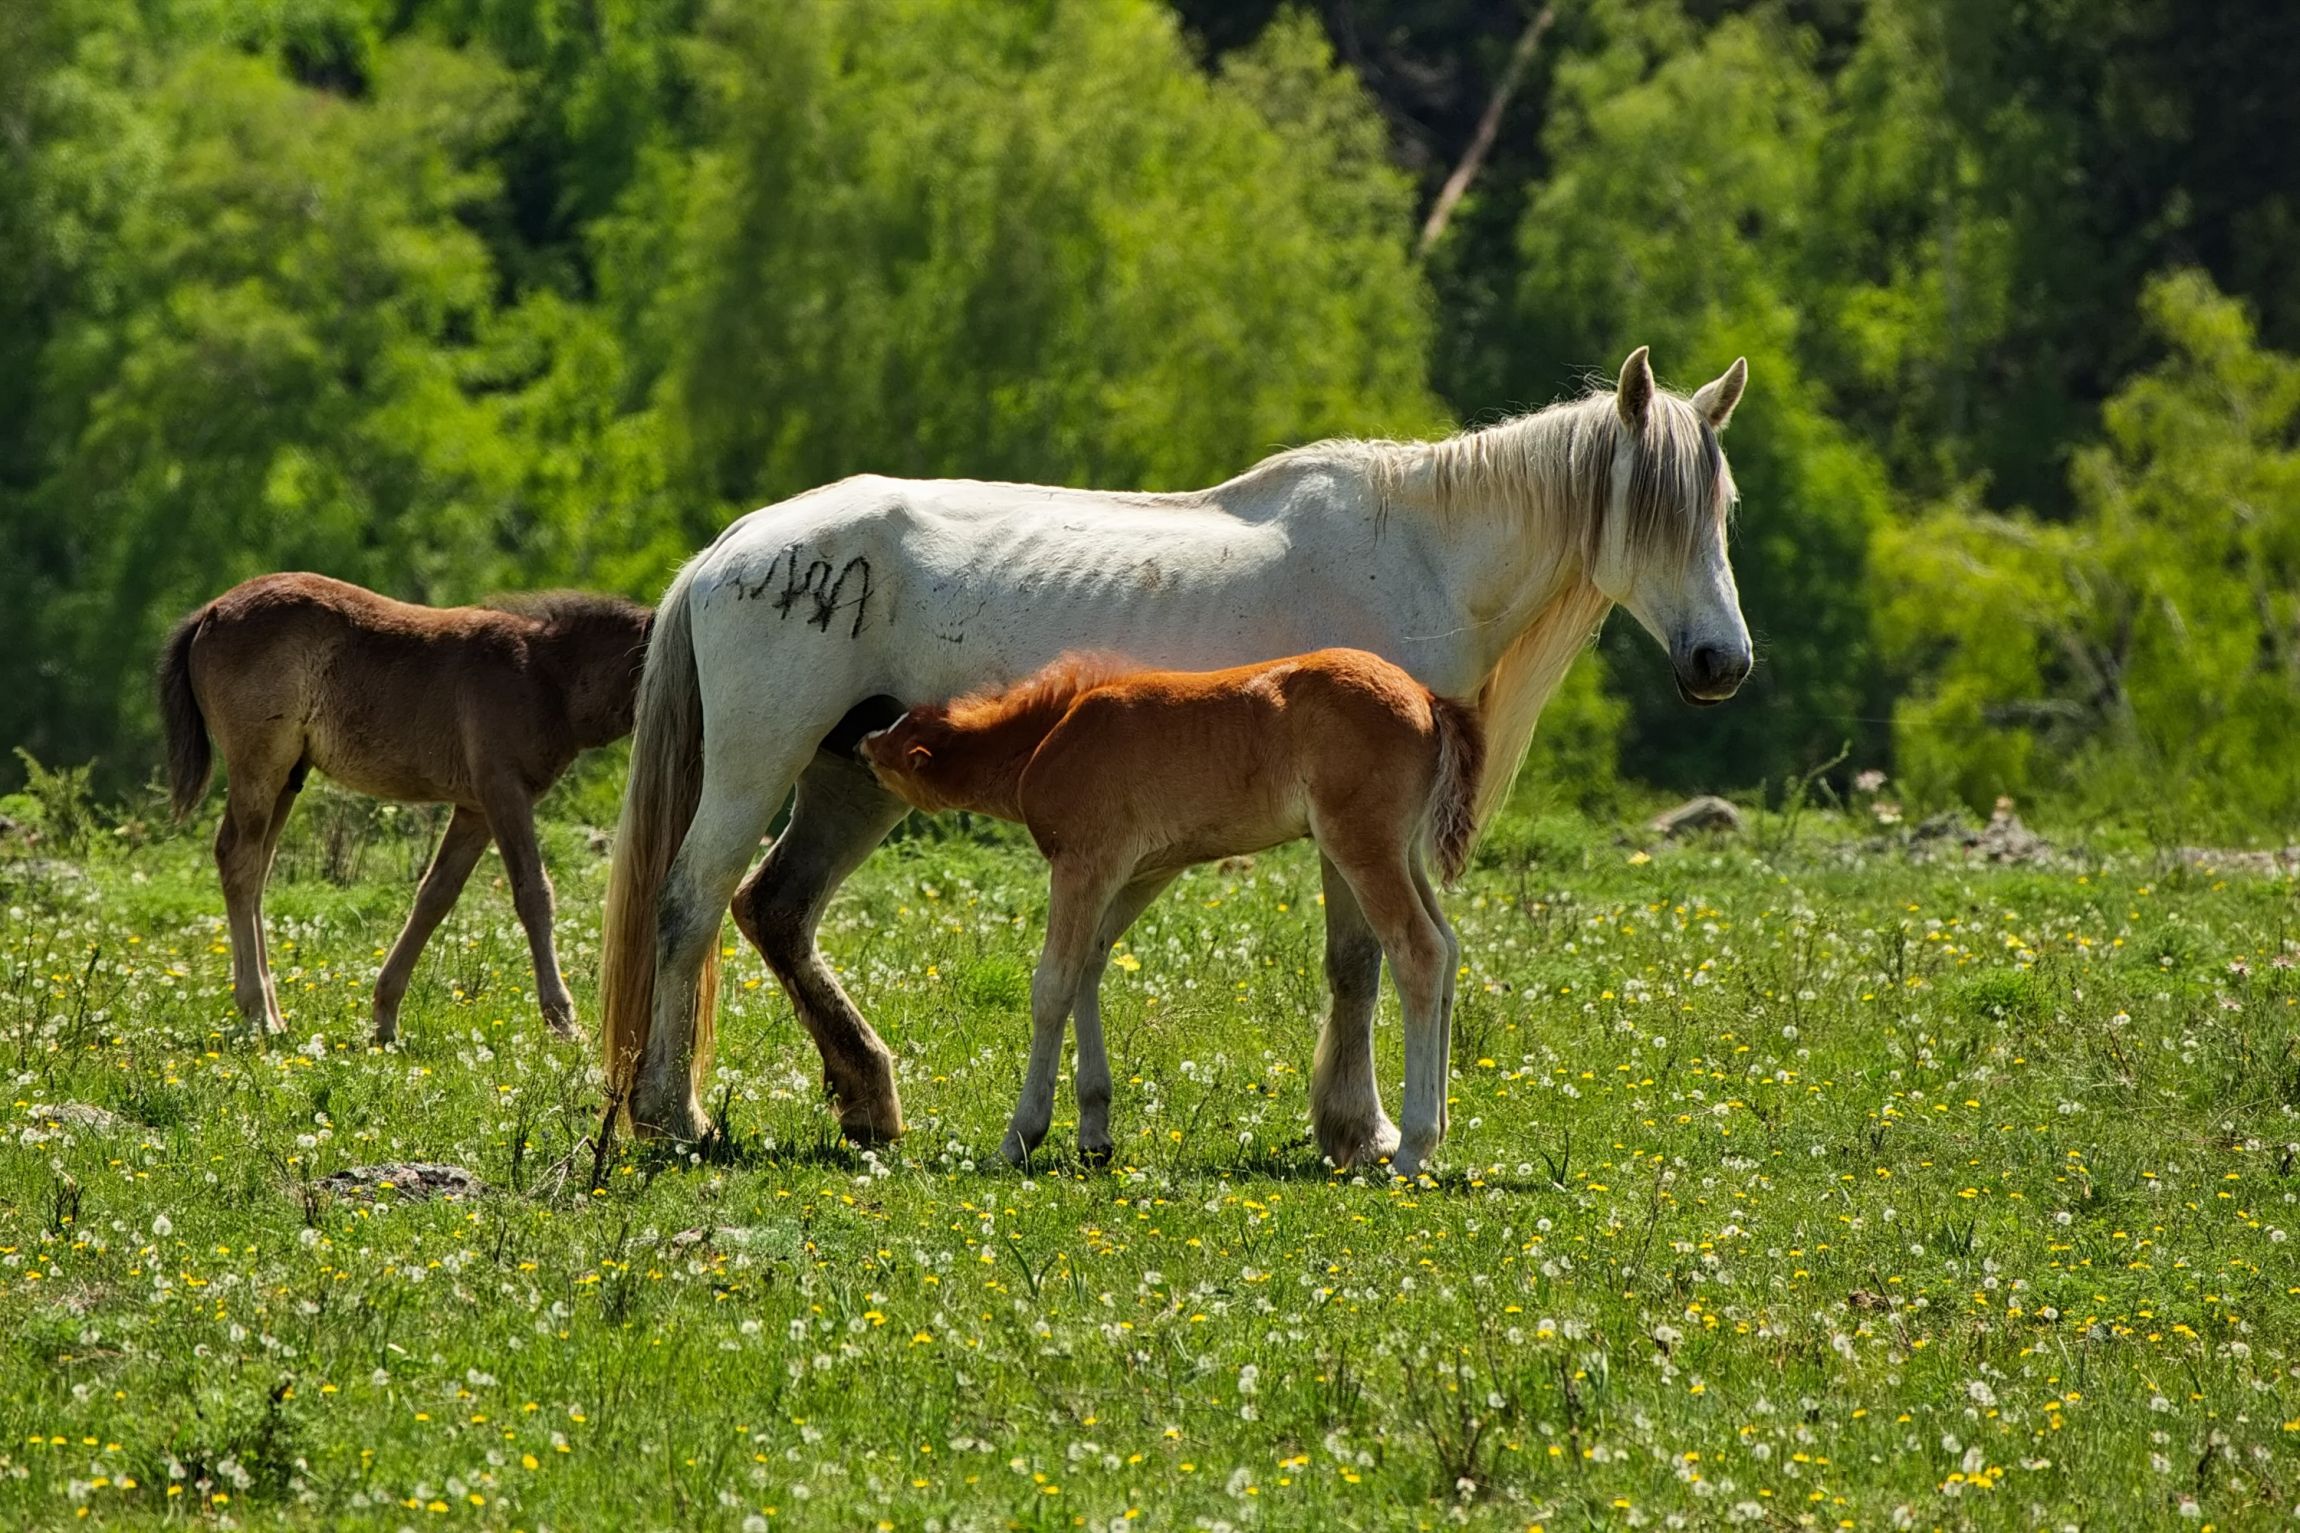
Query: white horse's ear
[[1716, 399], [1635, 395]]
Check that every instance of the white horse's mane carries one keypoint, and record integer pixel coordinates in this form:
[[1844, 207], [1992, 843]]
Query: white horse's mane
[[1553, 470]]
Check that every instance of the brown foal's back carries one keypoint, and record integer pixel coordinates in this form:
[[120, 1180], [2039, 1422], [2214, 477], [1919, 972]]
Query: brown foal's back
[[478, 707], [1189, 766], [412, 703]]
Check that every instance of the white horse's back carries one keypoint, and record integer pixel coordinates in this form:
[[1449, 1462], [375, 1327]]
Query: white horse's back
[[925, 588]]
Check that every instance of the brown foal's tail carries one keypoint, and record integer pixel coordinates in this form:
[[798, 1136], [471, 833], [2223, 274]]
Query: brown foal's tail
[[1453, 800], [190, 759], [658, 805]]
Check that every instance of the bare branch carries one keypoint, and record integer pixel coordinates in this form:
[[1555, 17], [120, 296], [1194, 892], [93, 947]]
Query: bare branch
[[1489, 126]]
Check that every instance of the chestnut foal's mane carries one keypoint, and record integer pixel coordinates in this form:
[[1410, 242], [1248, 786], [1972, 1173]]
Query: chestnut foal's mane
[[1035, 704]]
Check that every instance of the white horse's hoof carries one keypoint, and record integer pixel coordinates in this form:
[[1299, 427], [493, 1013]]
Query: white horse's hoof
[[1357, 1148], [681, 1120]]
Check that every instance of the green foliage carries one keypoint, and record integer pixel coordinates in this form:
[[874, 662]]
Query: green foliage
[[1575, 759], [925, 239], [1680, 215], [450, 296], [55, 805], [2151, 645]]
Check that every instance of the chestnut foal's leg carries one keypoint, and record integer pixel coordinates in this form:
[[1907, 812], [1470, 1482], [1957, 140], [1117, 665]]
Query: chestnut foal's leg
[[1093, 1064], [1345, 1103], [1081, 897], [451, 865], [511, 817], [1382, 878]]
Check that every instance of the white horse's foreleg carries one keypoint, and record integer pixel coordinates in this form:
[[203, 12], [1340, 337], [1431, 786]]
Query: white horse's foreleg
[[838, 815], [731, 816], [1345, 1103], [1093, 1062], [1073, 919]]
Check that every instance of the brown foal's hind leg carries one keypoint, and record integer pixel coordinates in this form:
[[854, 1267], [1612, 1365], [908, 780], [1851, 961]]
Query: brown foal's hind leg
[[1382, 878], [1345, 1102], [1074, 917], [282, 806], [254, 800], [511, 816], [1093, 1062], [459, 851], [838, 814]]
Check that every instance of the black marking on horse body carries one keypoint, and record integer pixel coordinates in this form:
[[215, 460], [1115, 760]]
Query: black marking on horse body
[[816, 588]]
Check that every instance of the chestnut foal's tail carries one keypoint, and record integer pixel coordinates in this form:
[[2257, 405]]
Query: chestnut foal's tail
[[190, 758], [1453, 800], [659, 802]]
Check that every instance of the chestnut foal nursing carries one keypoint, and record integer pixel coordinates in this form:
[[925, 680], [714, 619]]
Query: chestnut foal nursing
[[1126, 777], [478, 707]]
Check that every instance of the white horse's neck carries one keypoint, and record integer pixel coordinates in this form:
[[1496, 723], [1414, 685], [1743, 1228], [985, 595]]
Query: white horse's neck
[[1517, 510]]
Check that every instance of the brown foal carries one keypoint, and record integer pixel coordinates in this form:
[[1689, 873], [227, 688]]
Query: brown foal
[[478, 707], [1126, 777]]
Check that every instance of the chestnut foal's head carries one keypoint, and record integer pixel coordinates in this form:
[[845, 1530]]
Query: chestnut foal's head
[[902, 758]]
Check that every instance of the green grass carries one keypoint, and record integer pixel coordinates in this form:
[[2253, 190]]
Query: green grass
[[1828, 1191]]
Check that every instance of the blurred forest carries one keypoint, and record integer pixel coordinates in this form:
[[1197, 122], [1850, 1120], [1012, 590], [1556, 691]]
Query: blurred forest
[[456, 296]]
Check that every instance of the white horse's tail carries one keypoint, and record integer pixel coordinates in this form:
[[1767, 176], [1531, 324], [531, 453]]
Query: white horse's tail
[[658, 805]]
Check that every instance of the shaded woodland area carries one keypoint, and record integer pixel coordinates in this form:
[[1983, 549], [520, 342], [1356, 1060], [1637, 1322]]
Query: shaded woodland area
[[452, 296]]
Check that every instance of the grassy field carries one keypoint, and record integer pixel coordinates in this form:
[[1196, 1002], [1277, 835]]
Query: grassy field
[[1810, 1188]]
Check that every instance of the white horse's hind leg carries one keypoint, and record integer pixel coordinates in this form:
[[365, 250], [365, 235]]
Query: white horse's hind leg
[[839, 814], [733, 813], [1345, 1103]]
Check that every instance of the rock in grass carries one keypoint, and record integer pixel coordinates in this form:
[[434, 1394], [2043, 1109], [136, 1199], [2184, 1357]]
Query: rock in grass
[[2004, 840], [1708, 812], [73, 1119], [407, 1179], [2218, 859]]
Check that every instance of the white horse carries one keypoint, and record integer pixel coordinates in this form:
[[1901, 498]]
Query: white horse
[[1481, 564]]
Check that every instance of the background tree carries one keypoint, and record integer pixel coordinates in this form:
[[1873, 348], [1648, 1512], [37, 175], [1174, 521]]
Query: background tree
[[450, 295], [2147, 650]]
